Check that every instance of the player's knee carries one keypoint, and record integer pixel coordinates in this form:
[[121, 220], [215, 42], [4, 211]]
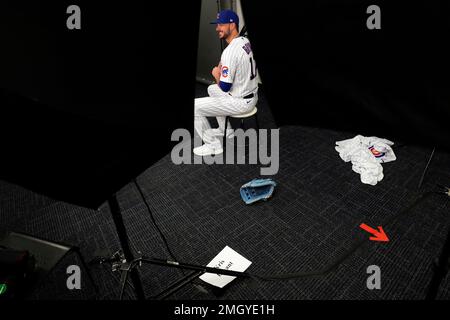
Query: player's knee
[[198, 108], [211, 89]]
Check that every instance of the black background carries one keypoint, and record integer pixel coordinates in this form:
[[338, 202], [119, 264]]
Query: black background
[[85, 111], [321, 66]]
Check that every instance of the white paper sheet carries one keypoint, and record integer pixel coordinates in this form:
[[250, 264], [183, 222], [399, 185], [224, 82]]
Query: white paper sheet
[[227, 259]]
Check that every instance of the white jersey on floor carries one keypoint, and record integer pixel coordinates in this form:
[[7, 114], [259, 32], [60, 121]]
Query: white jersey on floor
[[239, 68], [366, 155]]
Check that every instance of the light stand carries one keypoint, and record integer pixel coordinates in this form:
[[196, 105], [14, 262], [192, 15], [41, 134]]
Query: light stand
[[127, 253], [127, 263]]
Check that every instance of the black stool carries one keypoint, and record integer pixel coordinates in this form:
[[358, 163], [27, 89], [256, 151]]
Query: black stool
[[242, 117]]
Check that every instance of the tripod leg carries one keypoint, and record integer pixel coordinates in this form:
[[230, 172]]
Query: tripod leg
[[123, 283], [123, 238], [179, 285]]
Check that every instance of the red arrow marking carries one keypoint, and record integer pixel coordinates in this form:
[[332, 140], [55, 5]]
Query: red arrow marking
[[379, 235]]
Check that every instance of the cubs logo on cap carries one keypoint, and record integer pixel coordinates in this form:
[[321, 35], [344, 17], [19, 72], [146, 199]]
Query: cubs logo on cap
[[226, 16]]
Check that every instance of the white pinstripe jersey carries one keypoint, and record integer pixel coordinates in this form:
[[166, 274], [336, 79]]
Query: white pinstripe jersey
[[239, 67]]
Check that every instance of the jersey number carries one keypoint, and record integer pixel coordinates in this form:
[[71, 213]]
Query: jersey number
[[253, 73]]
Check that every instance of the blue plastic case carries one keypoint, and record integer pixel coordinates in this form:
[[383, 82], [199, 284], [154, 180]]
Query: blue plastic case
[[257, 189]]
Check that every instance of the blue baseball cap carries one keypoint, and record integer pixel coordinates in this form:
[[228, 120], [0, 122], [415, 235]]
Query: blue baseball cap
[[226, 16]]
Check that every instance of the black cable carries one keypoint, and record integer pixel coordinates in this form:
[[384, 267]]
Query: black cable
[[426, 168], [290, 276], [154, 221], [344, 256]]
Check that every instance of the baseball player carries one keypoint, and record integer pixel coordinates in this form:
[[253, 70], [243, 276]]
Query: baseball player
[[236, 87]]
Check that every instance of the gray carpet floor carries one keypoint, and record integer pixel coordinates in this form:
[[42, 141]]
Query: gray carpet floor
[[312, 218]]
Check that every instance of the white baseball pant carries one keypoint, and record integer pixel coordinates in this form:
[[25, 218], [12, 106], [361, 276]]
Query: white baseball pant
[[219, 104]]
